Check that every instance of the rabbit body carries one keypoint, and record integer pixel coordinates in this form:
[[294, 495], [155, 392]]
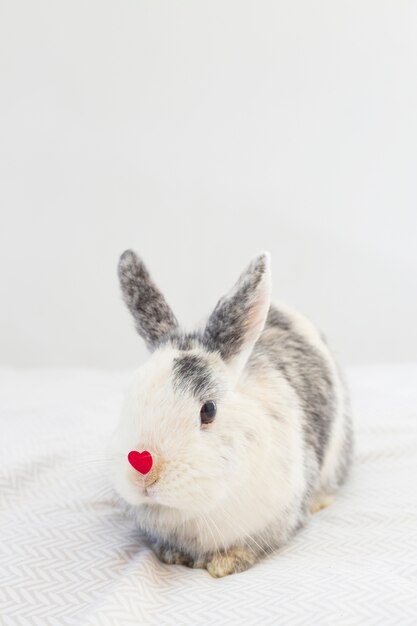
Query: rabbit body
[[225, 494]]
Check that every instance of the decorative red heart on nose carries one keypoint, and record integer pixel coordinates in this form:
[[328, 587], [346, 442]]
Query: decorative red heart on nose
[[141, 461]]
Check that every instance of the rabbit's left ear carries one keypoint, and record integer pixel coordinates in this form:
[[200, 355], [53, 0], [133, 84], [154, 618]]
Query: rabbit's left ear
[[153, 317], [239, 317]]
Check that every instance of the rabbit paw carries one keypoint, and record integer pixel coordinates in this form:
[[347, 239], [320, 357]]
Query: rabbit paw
[[230, 562], [172, 556]]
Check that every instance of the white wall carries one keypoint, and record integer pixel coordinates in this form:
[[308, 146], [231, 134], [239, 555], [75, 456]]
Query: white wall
[[200, 133]]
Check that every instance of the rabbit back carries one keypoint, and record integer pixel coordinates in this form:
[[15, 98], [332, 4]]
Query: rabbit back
[[292, 345]]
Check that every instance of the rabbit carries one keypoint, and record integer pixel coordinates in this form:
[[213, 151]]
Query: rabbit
[[246, 422]]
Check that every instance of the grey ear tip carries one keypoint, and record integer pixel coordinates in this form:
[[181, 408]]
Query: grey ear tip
[[129, 265], [263, 260], [128, 259]]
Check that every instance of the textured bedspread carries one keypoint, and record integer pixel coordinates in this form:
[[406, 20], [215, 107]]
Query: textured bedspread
[[67, 555]]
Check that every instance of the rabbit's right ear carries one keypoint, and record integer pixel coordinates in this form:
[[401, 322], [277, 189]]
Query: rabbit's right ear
[[239, 317], [153, 317]]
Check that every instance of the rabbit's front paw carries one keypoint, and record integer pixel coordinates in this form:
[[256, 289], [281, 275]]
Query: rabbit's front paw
[[172, 556], [230, 562]]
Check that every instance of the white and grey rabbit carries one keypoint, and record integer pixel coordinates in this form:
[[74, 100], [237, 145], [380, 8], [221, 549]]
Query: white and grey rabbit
[[246, 420]]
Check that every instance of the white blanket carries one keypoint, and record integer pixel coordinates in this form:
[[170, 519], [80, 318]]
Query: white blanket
[[69, 556]]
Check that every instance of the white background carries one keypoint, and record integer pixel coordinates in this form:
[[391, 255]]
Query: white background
[[199, 133]]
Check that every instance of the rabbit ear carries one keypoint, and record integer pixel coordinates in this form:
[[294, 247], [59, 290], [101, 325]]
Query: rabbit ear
[[153, 317], [239, 317]]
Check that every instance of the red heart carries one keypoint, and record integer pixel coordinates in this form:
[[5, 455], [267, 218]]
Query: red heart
[[141, 461]]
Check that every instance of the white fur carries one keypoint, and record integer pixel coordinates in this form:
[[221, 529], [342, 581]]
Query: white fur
[[262, 476]]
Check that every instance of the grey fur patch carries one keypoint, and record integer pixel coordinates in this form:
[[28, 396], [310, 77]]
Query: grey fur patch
[[306, 371], [153, 317], [226, 327], [185, 341], [278, 318], [192, 374]]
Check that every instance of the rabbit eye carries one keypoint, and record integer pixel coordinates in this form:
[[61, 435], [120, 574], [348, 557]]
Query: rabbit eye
[[208, 412]]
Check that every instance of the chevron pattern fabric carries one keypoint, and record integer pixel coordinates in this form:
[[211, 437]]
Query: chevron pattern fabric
[[68, 556]]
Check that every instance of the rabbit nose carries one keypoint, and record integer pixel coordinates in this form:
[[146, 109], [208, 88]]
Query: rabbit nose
[[146, 466], [141, 461]]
